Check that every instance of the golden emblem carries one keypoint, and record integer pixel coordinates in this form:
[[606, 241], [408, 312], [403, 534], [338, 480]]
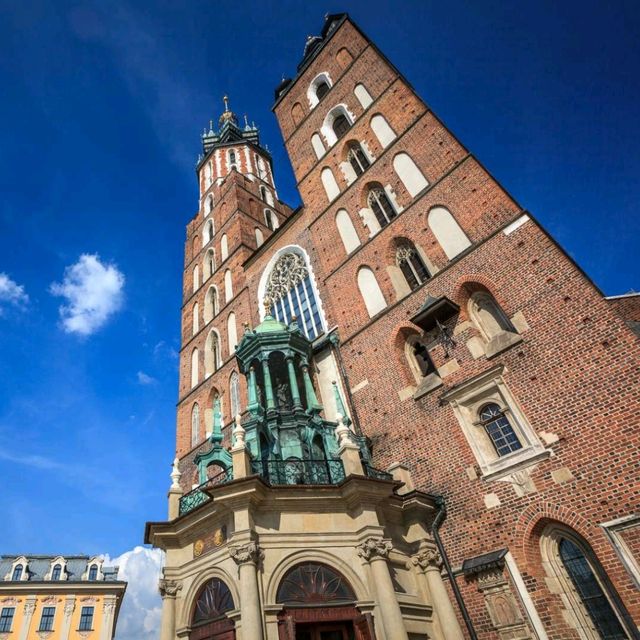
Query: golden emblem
[[198, 548], [218, 537]]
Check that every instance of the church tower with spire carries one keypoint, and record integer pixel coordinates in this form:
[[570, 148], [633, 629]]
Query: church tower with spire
[[238, 211], [404, 412]]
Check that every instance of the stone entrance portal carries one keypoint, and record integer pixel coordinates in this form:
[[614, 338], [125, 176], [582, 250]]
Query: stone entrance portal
[[319, 606]]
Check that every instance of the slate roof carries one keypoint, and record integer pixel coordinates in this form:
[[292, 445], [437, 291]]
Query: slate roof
[[39, 566]]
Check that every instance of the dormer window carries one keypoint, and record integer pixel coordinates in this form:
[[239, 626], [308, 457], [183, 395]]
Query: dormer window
[[56, 573], [93, 573], [18, 570]]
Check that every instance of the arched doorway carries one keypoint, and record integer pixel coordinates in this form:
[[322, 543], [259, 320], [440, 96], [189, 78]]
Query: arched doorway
[[318, 604], [209, 620]]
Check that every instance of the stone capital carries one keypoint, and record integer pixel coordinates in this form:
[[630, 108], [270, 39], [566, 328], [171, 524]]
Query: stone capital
[[373, 548], [169, 588], [246, 553], [69, 606], [427, 558], [29, 608]]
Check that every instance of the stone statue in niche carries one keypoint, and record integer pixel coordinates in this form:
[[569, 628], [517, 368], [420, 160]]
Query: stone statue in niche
[[282, 394]]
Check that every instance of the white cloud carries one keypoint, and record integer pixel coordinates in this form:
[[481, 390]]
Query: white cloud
[[144, 378], [11, 292], [93, 291], [141, 609]]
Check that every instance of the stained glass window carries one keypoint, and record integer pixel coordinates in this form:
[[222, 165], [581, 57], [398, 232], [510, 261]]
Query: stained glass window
[[289, 288], [312, 583], [499, 429], [213, 601], [595, 601]]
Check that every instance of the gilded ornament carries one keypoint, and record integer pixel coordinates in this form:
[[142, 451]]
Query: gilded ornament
[[198, 548]]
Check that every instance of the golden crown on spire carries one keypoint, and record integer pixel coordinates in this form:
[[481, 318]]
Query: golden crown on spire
[[227, 114]]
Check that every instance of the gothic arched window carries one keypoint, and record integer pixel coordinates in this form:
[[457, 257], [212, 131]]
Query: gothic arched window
[[232, 160], [589, 591], [358, 158], [268, 217], [210, 304], [213, 601], [291, 292], [381, 206], [322, 89], [195, 424], [234, 393], [412, 266], [211, 353], [341, 125], [489, 317], [418, 357], [499, 429]]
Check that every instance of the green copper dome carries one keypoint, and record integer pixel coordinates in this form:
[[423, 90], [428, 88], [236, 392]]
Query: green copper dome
[[270, 325]]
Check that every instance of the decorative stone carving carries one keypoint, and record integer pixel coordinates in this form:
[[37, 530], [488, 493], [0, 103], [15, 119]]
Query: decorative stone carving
[[29, 608], [342, 432], [245, 553], [239, 434], [426, 558], [169, 588], [109, 607], [374, 548], [175, 475], [10, 601], [289, 270], [49, 600], [69, 608], [501, 605], [44, 635]]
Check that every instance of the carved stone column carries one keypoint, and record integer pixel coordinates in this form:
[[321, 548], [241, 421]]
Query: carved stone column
[[248, 557], [376, 551], [428, 562], [168, 590], [67, 612], [108, 610], [29, 609]]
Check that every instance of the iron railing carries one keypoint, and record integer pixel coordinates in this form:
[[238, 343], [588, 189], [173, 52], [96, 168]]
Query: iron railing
[[378, 474], [196, 497], [285, 472]]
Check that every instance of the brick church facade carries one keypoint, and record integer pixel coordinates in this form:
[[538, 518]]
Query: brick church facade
[[404, 412]]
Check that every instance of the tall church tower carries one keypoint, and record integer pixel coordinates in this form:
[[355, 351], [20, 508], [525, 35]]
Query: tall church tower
[[404, 412], [238, 211]]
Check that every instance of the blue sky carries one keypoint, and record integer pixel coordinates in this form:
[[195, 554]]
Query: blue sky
[[101, 109]]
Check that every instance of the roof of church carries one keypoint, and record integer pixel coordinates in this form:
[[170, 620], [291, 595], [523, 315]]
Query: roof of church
[[38, 566], [312, 47], [228, 132]]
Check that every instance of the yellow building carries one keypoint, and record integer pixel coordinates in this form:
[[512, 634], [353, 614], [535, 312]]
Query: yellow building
[[58, 598]]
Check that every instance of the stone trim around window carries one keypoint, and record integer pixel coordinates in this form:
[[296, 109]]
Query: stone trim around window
[[466, 400], [615, 530]]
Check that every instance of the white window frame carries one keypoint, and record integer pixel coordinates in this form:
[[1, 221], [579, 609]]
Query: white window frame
[[468, 398]]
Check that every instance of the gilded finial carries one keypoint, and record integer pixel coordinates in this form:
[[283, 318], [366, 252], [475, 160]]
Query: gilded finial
[[225, 98]]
